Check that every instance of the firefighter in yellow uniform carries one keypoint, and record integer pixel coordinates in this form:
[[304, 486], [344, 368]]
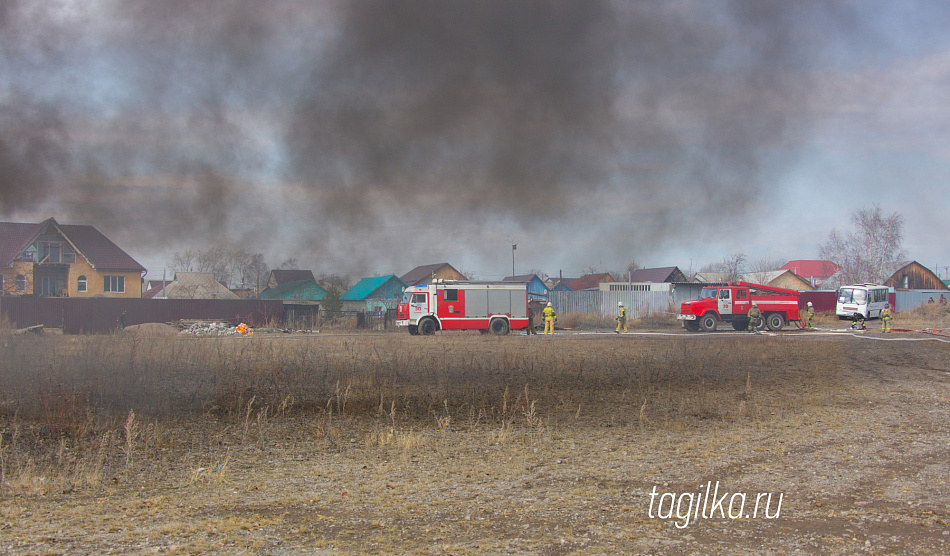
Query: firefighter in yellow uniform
[[622, 317], [809, 317], [549, 316], [755, 318], [858, 323], [886, 318]]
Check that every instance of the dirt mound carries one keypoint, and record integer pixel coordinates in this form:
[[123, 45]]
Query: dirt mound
[[152, 329]]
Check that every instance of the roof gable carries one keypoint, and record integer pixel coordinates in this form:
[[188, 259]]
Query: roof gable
[[662, 274], [279, 277], [89, 242], [425, 272], [14, 238]]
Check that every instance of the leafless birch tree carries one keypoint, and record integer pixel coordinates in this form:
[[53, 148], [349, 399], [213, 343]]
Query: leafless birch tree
[[866, 253]]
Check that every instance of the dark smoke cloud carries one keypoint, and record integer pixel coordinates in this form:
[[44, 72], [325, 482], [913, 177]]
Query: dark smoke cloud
[[508, 104], [34, 157], [282, 122]]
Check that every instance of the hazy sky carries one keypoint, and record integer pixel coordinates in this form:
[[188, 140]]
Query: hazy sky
[[366, 137]]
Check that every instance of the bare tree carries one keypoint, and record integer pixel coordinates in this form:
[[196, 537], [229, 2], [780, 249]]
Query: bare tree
[[732, 266], [230, 267], [760, 269], [338, 281], [257, 272], [184, 261], [865, 254]]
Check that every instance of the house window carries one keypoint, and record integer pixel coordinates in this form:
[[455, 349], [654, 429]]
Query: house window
[[81, 284], [113, 284], [19, 283]]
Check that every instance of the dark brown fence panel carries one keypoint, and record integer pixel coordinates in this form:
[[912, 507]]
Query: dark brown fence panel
[[101, 316], [823, 301], [30, 311]]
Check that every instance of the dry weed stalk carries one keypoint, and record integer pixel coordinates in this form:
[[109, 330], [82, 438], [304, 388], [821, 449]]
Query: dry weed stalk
[[132, 430], [247, 417]]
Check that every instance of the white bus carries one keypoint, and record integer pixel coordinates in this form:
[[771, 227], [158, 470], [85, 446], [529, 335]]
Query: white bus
[[866, 299]]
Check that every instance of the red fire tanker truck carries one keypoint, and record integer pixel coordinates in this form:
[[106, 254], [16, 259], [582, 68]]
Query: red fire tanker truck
[[463, 305], [731, 303]]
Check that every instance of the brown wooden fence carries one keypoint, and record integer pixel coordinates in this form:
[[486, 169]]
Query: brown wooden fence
[[101, 316]]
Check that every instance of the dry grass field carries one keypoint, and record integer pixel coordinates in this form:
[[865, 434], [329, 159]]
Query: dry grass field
[[580, 443]]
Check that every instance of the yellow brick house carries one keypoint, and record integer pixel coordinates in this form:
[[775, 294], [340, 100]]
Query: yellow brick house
[[49, 259]]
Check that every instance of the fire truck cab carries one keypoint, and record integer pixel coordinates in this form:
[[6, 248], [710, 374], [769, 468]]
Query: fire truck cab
[[731, 303], [497, 307]]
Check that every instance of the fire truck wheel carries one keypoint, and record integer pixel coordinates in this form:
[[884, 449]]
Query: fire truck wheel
[[499, 327], [708, 322], [427, 327], [775, 321], [691, 325], [413, 330], [740, 325]]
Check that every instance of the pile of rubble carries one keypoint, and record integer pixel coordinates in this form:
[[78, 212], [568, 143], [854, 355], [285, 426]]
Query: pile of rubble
[[217, 329]]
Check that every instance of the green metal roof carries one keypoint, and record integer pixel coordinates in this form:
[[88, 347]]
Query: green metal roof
[[366, 287], [301, 289]]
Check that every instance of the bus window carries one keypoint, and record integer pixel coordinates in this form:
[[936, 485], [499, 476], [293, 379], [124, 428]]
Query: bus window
[[844, 295]]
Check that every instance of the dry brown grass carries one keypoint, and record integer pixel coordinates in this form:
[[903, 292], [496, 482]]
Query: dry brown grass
[[459, 443], [78, 409]]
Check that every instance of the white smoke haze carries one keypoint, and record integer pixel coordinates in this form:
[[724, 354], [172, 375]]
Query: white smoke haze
[[372, 136]]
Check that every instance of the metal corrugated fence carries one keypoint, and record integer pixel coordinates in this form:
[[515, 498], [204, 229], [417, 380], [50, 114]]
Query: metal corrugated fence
[[910, 300], [638, 303]]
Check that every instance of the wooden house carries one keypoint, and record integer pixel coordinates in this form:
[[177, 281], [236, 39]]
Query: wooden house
[[914, 276]]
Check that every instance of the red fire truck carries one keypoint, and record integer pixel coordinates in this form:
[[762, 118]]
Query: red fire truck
[[731, 303], [464, 305]]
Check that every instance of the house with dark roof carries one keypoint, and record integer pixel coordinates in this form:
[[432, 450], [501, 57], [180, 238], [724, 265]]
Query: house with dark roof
[[591, 281], [425, 274], [49, 259], [281, 277], [537, 291], [374, 294], [307, 289], [671, 274]]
